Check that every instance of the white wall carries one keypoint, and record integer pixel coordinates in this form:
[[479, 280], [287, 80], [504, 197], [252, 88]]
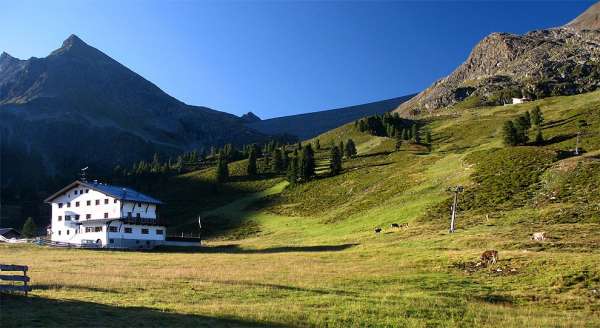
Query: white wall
[[69, 231]]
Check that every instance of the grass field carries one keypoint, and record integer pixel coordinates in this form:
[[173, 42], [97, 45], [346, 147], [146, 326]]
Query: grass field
[[306, 255]]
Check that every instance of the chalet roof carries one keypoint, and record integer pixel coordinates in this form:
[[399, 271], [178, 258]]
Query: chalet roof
[[118, 192]]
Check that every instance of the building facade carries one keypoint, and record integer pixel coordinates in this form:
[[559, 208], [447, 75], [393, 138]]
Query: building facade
[[98, 214]]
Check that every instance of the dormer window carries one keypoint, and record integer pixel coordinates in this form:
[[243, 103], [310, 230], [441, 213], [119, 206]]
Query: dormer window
[[60, 205], [75, 192]]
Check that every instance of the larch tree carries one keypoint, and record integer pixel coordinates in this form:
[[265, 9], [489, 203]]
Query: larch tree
[[335, 161], [251, 168], [29, 228]]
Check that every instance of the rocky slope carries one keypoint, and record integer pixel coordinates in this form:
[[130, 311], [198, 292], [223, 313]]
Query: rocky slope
[[79, 106], [559, 61]]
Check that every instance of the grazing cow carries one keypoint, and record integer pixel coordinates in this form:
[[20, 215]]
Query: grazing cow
[[538, 236], [489, 257], [378, 230], [395, 226]]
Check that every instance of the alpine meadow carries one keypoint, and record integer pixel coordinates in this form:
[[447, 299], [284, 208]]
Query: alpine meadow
[[473, 203]]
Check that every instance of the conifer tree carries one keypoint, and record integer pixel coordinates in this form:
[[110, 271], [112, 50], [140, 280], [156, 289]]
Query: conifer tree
[[292, 171], [405, 135], [341, 147], [415, 134], [536, 116], [222, 170], [285, 159], [539, 137], [277, 163], [335, 160], [307, 163], [29, 228], [428, 140], [251, 168], [350, 150], [521, 130], [509, 134], [317, 144]]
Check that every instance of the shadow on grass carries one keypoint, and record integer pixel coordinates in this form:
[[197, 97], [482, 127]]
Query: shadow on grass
[[288, 288], [236, 249], [75, 287], [381, 153], [33, 311]]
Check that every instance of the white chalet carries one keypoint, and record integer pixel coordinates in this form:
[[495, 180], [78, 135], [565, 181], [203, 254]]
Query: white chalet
[[108, 216]]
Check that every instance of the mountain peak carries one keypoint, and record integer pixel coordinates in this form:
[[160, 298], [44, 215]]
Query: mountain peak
[[250, 117], [72, 40], [588, 20], [74, 45]]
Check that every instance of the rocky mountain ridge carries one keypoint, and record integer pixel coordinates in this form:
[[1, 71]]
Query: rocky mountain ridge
[[558, 61]]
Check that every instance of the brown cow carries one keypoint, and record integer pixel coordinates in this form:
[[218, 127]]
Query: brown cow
[[489, 257]]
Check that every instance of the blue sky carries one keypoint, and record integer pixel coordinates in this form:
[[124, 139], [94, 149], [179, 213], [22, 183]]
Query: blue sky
[[277, 58]]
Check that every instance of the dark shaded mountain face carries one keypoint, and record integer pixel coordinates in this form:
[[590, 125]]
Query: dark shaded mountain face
[[306, 126], [553, 62], [78, 106], [249, 118]]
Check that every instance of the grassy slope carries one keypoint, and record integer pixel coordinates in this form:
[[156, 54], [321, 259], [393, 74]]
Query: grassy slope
[[310, 258]]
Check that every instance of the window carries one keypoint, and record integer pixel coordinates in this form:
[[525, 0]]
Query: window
[[139, 204], [144, 231], [112, 229], [115, 201], [159, 231], [59, 232], [137, 215], [67, 218], [89, 229], [68, 204], [87, 190], [128, 214], [106, 215], [112, 241], [60, 218], [127, 230], [68, 231], [60, 205], [76, 204], [88, 216], [81, 192], [97, 229], [77, 217], [106, 201], [75, 192], [97, 202], [88, 203]]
